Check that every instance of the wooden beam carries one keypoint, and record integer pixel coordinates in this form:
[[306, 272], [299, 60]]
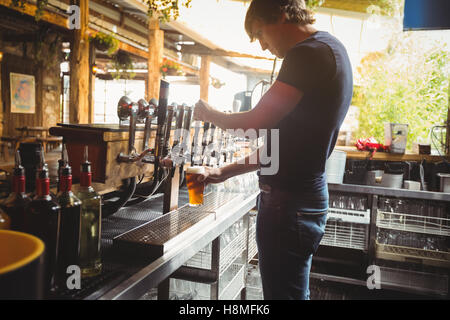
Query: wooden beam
[[30, 9], [220, 52], [80, 70], [204, 77], [154, 58], [133, 50]]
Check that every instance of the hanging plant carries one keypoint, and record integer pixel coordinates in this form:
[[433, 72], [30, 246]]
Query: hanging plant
[[166, 10], [18, 3], [123, 65], [170, 68], [40, 6], [104, 42]]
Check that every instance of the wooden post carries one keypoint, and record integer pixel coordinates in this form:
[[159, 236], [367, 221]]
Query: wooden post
[[155, 54], [1, 96], [80, 69], [91, 96], [447, 144], [204, 77]]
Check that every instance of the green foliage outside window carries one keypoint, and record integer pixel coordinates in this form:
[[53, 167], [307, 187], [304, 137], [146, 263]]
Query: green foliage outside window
[[407, 83]]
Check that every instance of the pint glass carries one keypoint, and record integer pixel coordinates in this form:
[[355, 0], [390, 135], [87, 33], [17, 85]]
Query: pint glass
[[195, 188]]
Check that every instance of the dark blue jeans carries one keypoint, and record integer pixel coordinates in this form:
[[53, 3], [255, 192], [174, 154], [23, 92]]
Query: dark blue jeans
[[289, 228]]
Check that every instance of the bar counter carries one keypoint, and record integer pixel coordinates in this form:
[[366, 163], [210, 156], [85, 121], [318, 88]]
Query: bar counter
[[345, 262]]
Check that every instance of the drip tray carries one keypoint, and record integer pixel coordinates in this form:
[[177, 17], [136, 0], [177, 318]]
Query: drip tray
[[152, 239]]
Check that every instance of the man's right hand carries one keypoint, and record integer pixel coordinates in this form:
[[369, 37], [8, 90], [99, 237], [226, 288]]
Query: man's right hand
[[212, 175]]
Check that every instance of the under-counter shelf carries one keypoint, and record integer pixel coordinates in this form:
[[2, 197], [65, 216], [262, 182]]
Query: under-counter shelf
[[413, 223], [412, 255]]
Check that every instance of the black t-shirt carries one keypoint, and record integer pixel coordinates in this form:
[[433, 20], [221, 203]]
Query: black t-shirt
[[319, 67]]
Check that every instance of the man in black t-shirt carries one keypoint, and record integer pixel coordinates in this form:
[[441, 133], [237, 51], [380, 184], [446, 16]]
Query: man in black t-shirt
[[307, 105]]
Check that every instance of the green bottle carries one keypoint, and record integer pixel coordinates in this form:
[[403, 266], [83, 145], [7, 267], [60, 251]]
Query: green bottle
[[91, 218]]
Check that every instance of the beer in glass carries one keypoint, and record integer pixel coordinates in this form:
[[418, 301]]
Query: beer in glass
[[195, 188]]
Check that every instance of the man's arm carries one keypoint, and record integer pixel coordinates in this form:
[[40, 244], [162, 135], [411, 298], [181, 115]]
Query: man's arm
[[278, 102]]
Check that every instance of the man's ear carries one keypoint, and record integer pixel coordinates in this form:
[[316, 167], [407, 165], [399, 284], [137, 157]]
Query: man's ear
[[284, 17]]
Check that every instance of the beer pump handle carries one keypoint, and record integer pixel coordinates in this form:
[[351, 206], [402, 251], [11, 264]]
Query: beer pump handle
[[162, 114], [195, 142], [211, 141], [206, 126], [168, 129], [179, 125]]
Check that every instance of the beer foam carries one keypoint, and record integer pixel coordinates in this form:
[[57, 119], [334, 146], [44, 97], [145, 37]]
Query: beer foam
[[196, 170]]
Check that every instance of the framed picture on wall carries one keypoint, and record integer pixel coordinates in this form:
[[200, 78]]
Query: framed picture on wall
[[23, 95]]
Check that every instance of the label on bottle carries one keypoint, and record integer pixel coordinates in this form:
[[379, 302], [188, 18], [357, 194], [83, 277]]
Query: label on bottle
[[43, 187], [65, 183], [19, 184], [85, 179]]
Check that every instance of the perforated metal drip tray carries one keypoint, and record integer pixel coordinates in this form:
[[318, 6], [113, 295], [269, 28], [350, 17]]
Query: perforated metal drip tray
[[152, 239]]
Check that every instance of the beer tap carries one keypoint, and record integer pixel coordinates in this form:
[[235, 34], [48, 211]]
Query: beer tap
[[128, 109], [147, 111], [211, 146], [206, 126], [186, 131], [220, 141], [178, 126], [195, 143], [168, 129]]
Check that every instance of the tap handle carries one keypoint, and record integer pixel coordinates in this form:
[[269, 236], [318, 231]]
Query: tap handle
[[124, 107], [168, 129], [206, 126], [179, 125]]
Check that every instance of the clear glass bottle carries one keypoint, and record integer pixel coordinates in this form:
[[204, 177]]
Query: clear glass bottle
[[69, 240], [91, 215]]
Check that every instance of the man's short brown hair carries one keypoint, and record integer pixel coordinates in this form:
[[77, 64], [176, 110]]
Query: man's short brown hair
[[269, 12]]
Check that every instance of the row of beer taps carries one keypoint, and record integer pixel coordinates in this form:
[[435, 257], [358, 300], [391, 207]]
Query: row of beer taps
[[215, 147]]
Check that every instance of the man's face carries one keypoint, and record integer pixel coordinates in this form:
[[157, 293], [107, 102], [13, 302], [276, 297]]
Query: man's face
[[269, 37]]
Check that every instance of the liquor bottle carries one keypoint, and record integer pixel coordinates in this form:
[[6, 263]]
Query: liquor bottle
[[91, 215], [42, 219], [5, 221], [15, 204], [69, 238]]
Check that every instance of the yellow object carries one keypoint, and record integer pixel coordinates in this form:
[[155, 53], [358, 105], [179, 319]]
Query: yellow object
[[17, 249], [5, 221]]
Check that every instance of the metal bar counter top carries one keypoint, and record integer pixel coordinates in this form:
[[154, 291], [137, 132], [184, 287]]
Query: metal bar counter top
[[189, 243]]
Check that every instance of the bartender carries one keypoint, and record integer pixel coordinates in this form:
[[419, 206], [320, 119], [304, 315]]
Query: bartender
[[307, 105]]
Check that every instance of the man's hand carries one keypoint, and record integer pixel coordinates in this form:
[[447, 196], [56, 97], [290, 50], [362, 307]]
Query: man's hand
[[202, 111], [212, 175]]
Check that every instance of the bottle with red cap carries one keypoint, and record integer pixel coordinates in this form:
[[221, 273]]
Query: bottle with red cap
[[14, 206], [42, 219], [69, 239], [91, 216]]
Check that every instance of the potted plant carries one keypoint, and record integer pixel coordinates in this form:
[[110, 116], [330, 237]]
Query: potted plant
[[104, 42], [123, 65], [170, 68]]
